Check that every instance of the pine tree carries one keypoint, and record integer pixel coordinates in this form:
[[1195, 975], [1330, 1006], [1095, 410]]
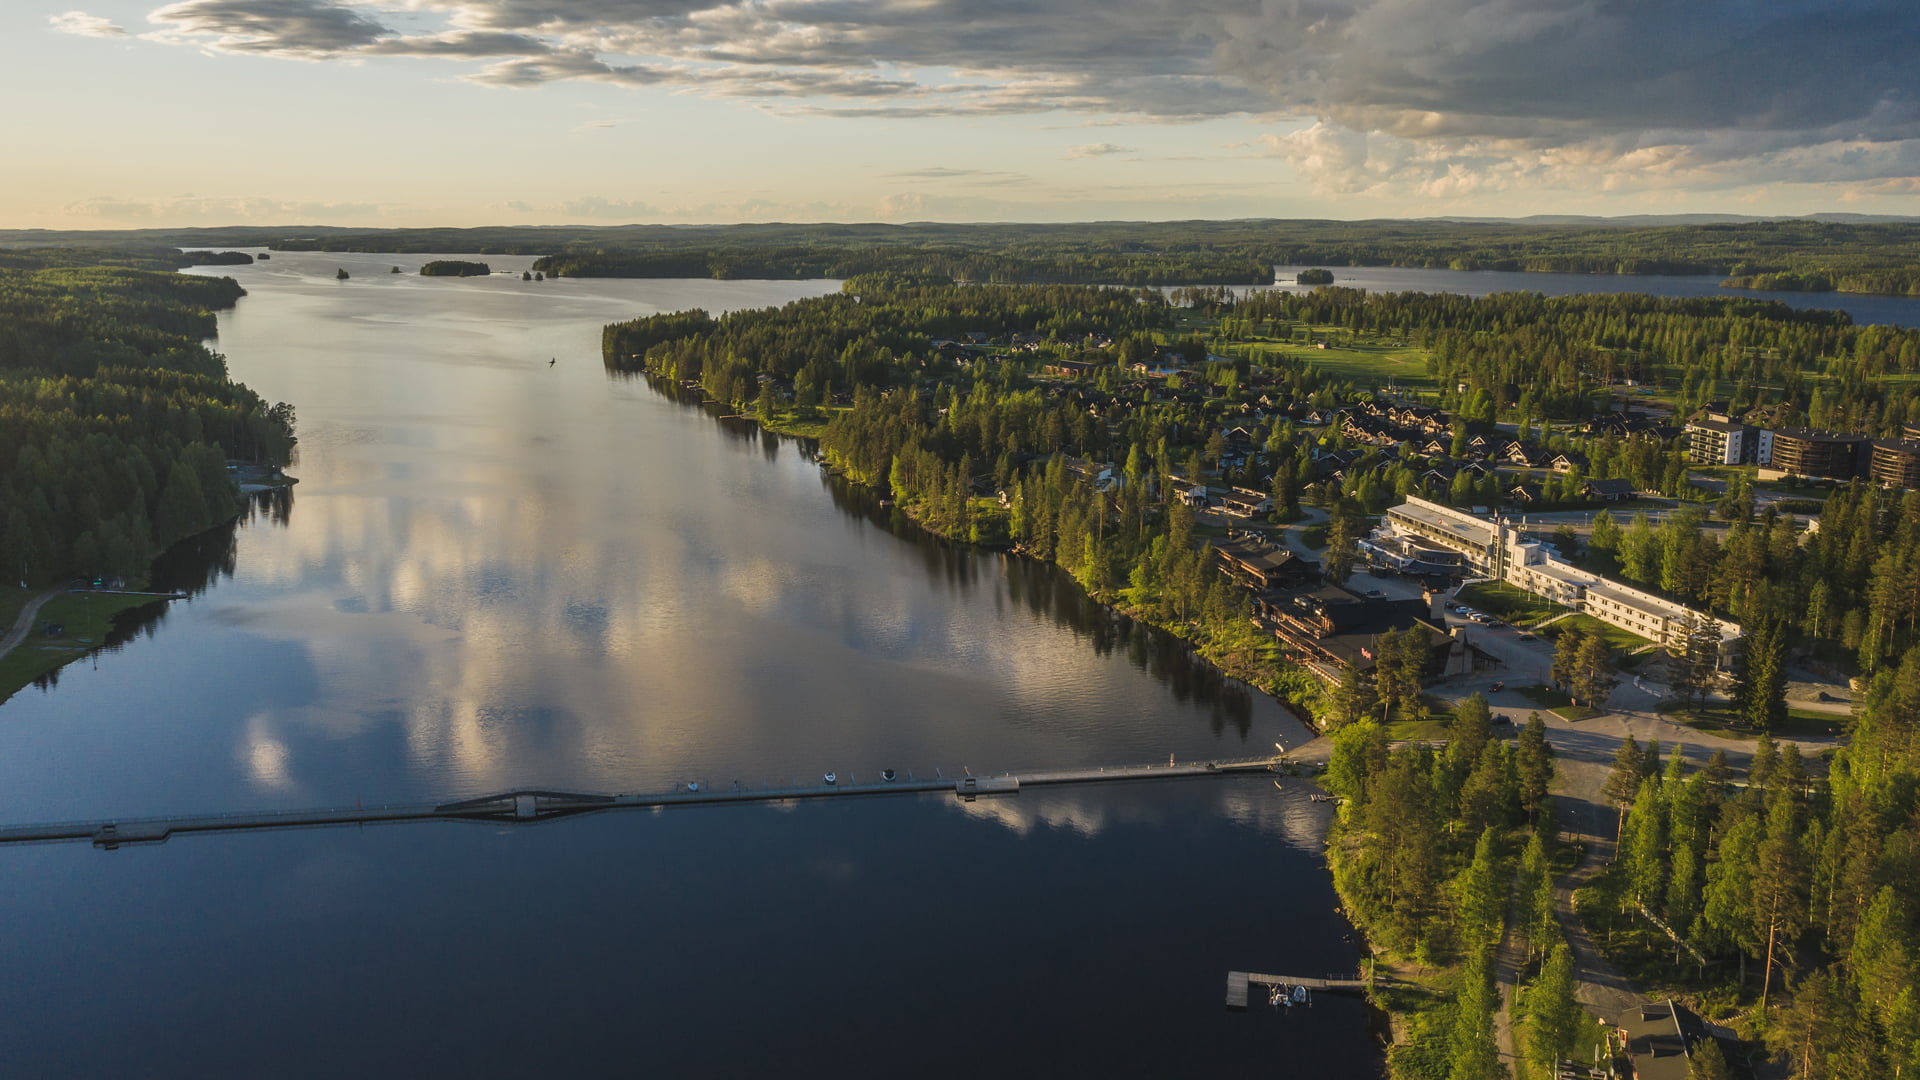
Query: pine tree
[[1761, 690], [1482, 899], [1555, 1014], [1623, 783]]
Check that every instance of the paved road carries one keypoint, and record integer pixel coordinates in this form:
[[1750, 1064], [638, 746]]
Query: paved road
[[23, 625]]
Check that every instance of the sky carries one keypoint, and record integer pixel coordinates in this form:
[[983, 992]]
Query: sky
[[396, 113]]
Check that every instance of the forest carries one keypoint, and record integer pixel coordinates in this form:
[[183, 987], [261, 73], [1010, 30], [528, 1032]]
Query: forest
[[116, 423], [1777, 888], [454, 268], [1846, 255]]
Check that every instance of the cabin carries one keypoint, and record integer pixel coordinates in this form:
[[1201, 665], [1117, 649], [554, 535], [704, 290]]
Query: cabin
[[1607, 490]]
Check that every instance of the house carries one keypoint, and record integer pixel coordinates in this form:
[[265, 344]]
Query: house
[[1256, 562], [1072, 369], [1242, 503], [1568, 460], [1526, 493], [1607, 490], [1660, 1039], [1530, 457]]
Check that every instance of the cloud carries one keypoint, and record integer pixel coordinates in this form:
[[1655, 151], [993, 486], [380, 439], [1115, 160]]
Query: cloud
[[1092, 150], [193, 208], [81, 24], [1445, 98], [593, 206]]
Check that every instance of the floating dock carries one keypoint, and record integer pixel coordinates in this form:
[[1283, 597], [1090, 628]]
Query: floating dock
[[537, 804], [1239, 981]]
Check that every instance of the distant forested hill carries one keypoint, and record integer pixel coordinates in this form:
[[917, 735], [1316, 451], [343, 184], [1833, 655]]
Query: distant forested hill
[[1864, 256], [116, 423]]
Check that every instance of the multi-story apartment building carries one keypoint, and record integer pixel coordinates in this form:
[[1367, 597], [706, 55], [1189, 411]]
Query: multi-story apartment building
[[1712, 440], [1830, 455]]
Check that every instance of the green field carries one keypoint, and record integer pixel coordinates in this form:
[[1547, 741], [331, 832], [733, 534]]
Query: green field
[[1719, 719], [1622, 641], [1362, 364], [87, 617], [1515, 605], [1555, 702]]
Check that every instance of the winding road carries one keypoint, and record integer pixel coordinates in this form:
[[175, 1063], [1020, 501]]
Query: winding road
[[23, 624]]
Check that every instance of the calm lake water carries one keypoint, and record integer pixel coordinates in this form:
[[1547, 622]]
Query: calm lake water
[[1897, 310], [501, 572]]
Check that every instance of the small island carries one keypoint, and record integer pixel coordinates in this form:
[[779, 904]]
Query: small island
[[1315, 276], [218, 258], [341, 274], [455, 268]]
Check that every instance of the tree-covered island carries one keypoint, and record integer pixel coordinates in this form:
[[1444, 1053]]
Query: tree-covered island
[[455, 268]]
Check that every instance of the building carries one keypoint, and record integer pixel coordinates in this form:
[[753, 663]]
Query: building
[[1500, 550], [1475, 539], [1616, 490], [1896, 462], [1407, 555], [1713, 440], [1256, 562], [1330, 627], [1829, 455], [1659, 1039]]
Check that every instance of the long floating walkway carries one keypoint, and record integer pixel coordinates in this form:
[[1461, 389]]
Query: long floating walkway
[[532, 804]]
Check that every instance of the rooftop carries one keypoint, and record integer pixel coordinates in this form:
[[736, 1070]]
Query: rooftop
[[1468, 528]]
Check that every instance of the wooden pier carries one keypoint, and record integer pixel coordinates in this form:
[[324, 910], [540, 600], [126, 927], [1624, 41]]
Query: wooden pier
[[1238, 983], [533, 804]]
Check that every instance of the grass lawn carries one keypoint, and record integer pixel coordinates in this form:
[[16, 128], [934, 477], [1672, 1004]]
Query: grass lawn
[[1620, 640], [1365, 364], [1515, 605], [1314, 537], [86, 616], [1719, 719], [1554, 702]]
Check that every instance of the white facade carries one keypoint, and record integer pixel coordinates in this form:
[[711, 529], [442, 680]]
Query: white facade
[[1497, 549]]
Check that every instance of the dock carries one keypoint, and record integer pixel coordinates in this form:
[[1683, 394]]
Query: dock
[[1238, 983], [539, 804]]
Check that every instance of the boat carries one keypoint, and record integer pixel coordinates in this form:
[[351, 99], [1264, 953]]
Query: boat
[[887, 775], [693, 785], [1278, 997], [830, 778], [1300, 995]]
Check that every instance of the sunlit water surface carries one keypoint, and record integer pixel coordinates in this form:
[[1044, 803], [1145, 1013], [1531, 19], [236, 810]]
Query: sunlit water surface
[[501, 571]]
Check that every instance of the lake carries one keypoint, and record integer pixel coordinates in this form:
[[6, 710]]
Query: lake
[[504, 567], [1896, 310]]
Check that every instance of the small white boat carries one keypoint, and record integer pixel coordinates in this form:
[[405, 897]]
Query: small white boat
[[1299, 995], [830, 778], [693, 785], [1278, 997], [887, 775]]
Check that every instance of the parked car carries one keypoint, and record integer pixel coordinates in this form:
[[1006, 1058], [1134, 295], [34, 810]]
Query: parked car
[[1497, 687], [1495, 623], [1526, 635], [1453, 608]]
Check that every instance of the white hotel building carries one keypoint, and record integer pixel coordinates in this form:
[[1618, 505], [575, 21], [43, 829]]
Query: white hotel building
[[1496, 549]]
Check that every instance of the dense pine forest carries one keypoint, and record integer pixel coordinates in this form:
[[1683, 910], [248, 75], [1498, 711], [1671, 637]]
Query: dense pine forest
[[116, 423]]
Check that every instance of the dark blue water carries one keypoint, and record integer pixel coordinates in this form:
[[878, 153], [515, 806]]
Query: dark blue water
[[498, 572], [1895, 310]]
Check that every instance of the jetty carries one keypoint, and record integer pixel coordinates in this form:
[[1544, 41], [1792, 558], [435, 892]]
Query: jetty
[[1239, 981], [529, 805]]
